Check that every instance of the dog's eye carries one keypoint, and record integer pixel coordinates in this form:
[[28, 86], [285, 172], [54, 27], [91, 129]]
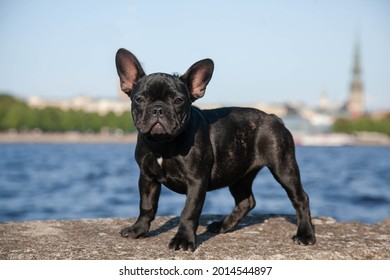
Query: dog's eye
[[178, 101], [140, 100]]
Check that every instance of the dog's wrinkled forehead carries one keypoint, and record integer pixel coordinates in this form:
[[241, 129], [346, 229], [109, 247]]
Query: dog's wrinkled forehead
[[161, 86]]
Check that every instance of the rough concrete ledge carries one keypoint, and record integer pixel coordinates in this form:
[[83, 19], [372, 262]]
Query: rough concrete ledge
[[258, 237]]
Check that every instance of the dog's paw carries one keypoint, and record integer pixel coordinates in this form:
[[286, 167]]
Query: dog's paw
[[180, 241], [305, 239], [134, 231]]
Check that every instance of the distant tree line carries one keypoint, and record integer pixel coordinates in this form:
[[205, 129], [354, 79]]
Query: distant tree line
[[365, 123], [16, 114]]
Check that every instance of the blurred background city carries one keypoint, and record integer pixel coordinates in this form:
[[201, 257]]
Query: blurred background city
[[322, 66]]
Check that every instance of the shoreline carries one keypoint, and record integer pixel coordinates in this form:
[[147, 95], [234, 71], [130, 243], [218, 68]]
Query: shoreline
[[68, 138], [72, 137]]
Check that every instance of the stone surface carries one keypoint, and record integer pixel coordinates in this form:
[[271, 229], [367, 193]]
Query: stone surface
[[257, 237]]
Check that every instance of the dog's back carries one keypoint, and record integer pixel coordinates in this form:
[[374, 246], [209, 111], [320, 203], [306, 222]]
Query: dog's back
[[245, 133]]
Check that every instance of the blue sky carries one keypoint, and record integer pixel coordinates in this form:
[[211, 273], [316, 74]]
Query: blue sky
[[264, 51]]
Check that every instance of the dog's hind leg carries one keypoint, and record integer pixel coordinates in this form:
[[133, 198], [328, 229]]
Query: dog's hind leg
[[245, 202], [285, 170]]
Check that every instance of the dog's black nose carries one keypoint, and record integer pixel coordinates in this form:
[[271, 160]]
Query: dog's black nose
[[157, 112]]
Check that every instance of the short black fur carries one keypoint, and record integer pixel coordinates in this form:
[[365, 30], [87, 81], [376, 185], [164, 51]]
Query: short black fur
[[193, 151]]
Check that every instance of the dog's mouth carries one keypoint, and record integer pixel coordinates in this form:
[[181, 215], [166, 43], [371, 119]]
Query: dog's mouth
[[158, 132], [157, 128]]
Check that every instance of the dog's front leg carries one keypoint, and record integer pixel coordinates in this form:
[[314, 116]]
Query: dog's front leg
[[149, 190], [185, 237]]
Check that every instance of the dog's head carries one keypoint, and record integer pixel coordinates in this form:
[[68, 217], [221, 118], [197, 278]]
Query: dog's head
[[161, 103]]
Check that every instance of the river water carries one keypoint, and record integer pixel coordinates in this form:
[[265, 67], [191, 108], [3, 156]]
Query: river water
[[74, 181]]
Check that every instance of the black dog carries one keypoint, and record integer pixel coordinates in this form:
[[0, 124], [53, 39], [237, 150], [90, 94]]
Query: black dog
[[193, 151]]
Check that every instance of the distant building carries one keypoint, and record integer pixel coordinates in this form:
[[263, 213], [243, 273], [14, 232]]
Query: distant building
[[324, 102], [280, 110], [355, 104], [82, 103]]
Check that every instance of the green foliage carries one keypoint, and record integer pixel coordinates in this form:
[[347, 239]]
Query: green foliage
[[15, 114], [363, 124]]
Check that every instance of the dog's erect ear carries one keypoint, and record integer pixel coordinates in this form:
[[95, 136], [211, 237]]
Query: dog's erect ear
[[129, 70], [198, 76]]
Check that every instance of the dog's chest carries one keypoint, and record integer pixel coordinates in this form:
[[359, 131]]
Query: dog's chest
[[168, 172], [160, 161]]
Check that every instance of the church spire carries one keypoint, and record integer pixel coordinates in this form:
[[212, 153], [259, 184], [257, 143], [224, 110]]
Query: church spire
[[356, 68], [355, 103]]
